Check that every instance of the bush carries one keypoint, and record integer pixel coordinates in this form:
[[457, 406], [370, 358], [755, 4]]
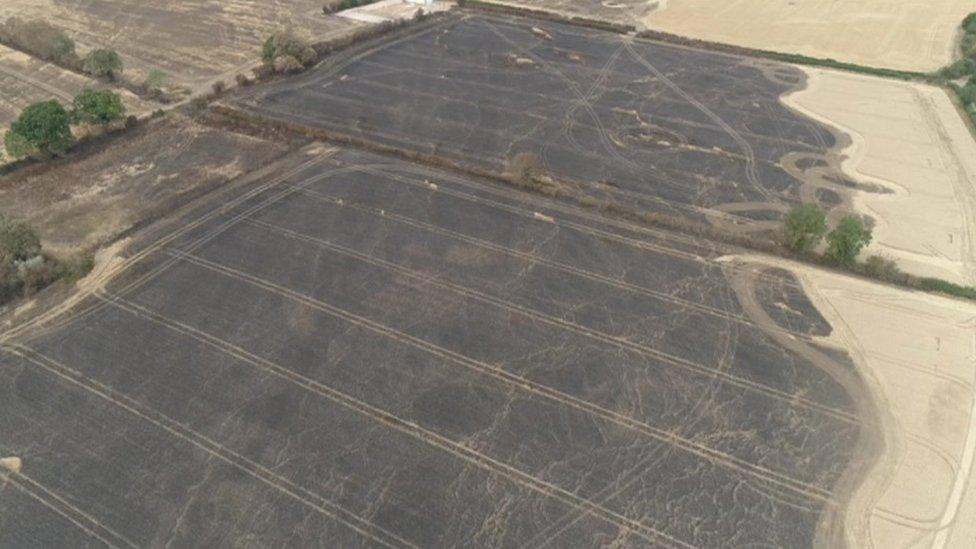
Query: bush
[[99, 107], [804, 227], [242, 80], [286, 45], [153, 85], [526, 168], [103, 63], [287, 63], [21, 261], [17, 145], [846, 241], [882, 268], [40, 39], [43, 127], [18, 241], [937, 285]]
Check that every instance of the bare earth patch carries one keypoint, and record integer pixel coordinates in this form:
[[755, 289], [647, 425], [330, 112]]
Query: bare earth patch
[[918, 35], [909, 139]]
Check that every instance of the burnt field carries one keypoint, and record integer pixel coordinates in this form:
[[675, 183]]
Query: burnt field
[[658, 127], [364, 352]]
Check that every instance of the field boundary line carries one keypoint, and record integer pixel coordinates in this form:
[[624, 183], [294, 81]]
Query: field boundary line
[[182, 432], [409, 428]]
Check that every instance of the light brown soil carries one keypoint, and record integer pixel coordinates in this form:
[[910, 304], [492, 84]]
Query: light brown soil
[[917, 35]]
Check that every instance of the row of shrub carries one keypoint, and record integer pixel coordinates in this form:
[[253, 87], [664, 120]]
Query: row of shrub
[[47, 42], [43, 129]]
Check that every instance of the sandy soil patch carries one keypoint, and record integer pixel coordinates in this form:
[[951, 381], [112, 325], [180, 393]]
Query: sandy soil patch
[[916, 353], [918, 35], [909, 139]]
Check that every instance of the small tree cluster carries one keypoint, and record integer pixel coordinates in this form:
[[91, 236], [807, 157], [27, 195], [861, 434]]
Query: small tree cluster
[[44, 128], [804, 228], [25, 268], [286, 52], [20, 257]]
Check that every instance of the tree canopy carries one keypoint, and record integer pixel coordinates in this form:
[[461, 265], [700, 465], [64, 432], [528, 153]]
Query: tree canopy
[[44, 127], [846, 241], [103, 63], [98, 107], [805, 226]]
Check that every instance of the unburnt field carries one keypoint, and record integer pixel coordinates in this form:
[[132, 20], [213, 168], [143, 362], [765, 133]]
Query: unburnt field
[[911, 35], [360, 351], [649, 125], [914, 35], [193, 41]]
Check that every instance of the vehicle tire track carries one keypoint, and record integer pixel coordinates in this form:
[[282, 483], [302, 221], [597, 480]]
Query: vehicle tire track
[[85, 522], [517, 381], [215, 449], [409, 428], [535, 259], [751, 172]]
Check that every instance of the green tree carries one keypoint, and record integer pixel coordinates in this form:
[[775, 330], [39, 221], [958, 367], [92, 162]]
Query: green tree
[[18, 241], [17, 145], [269, 50], [804, 227], [103, 63], [846, 241], [98, 107], [284, 44], [44, 127]]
